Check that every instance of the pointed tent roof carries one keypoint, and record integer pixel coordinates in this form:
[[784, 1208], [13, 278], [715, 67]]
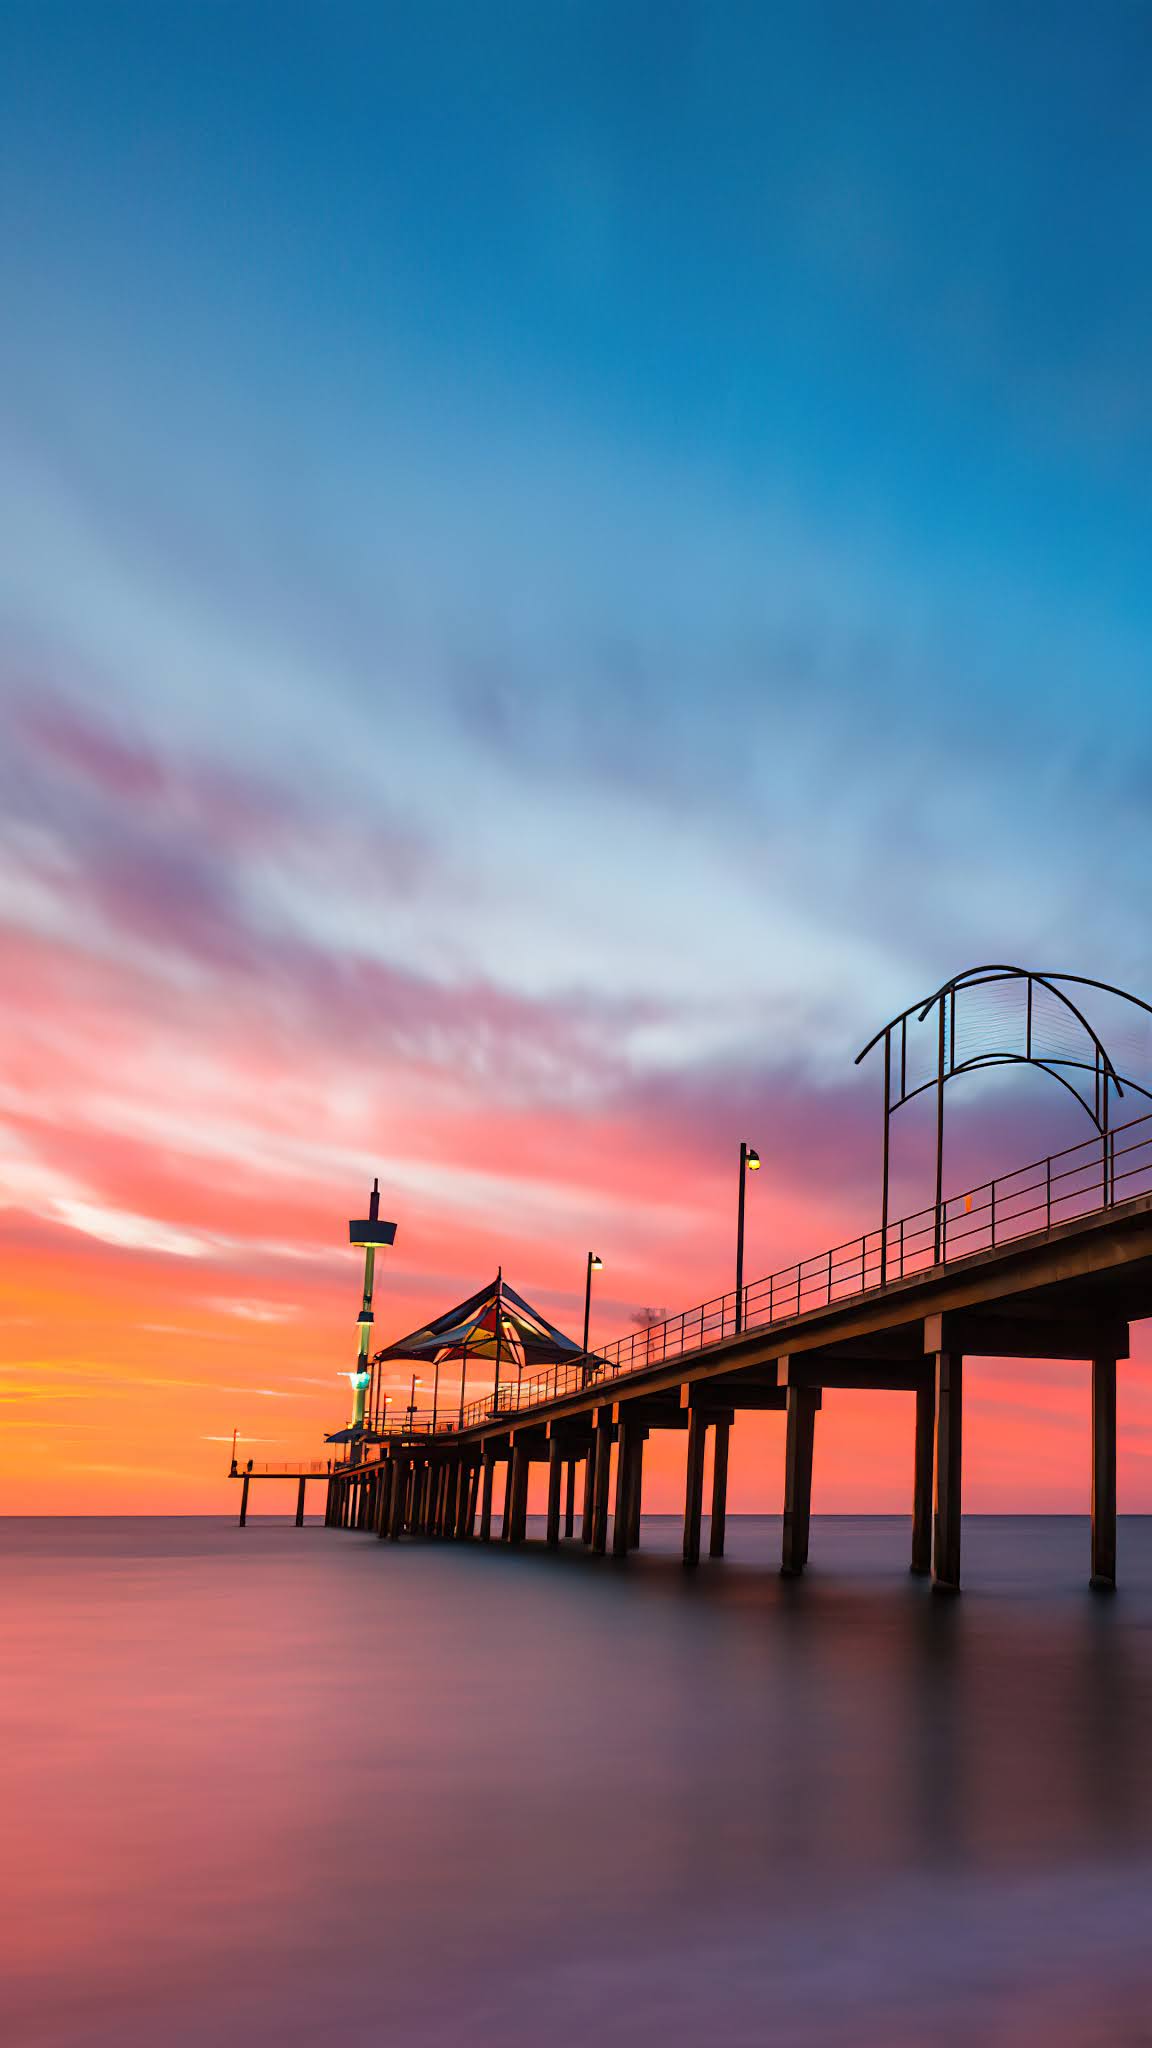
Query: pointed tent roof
[[494, 1323]]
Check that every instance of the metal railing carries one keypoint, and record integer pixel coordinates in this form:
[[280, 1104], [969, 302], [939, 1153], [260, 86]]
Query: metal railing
[[1080, 1181], [301, 1468]]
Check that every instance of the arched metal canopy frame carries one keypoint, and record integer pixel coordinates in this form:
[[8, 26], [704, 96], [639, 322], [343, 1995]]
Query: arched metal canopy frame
[[943, 1000]]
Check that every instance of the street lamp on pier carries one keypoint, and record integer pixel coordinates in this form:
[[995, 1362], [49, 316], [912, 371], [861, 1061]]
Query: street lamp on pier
[[749, 1163], [595, 1265]]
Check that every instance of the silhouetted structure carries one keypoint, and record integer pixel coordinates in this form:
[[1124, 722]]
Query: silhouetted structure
[[1053, 1260]]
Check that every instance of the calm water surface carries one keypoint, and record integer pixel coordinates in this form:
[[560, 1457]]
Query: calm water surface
[[291, 1786]]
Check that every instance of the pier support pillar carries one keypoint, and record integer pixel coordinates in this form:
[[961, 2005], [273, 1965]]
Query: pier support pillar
[[506, 1517], [798, 1479], [625, 1479], [946, 1497], [719, 1489], [244, 1500], [399, 1496], [602, 1469], [421, 1480], [1104, 1473], [466, 1510], [555, 1476], [570, 1498], [922, 1479], [694, 1486], [489, 1471], [636, 1489], [589, 1496], [518, 1495], [300, 1503], [330, 1503], [384, 1499]]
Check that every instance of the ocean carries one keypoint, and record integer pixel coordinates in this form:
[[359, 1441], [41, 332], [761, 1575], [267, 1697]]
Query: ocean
[[292, 1785]]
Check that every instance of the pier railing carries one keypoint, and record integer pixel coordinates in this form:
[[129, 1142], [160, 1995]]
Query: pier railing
[[1094, 1175], [299, 1468]]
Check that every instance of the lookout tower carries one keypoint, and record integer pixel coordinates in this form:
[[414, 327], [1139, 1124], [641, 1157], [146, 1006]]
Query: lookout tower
[[371, 1233]]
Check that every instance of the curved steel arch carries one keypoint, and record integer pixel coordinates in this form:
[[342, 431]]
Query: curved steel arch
[[1101, 1067]]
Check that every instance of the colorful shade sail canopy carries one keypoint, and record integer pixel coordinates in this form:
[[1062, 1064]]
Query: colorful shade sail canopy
[[497, 1324]]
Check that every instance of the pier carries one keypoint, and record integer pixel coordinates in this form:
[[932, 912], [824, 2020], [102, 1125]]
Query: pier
[[1050, 1261], [1065, 1289]]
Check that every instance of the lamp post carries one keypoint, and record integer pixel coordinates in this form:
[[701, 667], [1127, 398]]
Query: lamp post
[[412, 1403], [595, 1265], [749, 1163]]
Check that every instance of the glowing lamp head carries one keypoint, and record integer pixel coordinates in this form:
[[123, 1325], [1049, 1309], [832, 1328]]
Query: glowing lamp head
[[360, 1380], [596, 1262], [752, 1160]]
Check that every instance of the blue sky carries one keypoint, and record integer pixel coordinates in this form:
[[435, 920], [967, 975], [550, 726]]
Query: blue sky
[[708, 447], [638, 512]]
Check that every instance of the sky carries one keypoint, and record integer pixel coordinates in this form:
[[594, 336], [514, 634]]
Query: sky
[[561, 562]]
